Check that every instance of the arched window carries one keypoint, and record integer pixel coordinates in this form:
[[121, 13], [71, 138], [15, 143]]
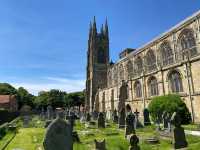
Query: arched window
[[138, 89], [121, 72], [150, 61], [187, 42], [166, 54], [138, 66], [175, 82], [129, 67], [153, 86]]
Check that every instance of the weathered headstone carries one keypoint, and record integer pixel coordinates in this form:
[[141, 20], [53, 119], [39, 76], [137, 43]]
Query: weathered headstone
[[49, 112], [26, 120], [137, 121], [101, 120], [134, 140], [58, 135], [88, 117], [179, 139], [101, 145], [165, 121], [115, 117], [146, 117], [122, 117], [130, 129]]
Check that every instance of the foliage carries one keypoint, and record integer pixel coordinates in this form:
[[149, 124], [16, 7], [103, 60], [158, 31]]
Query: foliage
[[3, 130], [169, 103], [7, 89]]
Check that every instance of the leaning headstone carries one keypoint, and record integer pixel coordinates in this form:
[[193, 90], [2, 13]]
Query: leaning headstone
[[130, 129], [146, 117], [122, 116], [101, 145], [58, 135], [179, 139], [134, 140], [101, 120]]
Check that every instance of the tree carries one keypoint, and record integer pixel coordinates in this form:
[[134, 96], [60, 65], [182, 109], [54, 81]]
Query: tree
[[7, 89], [24, 97], [169, 103]]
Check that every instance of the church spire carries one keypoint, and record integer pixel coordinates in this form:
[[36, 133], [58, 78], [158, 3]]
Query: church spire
[[106, 30], [94, 27]]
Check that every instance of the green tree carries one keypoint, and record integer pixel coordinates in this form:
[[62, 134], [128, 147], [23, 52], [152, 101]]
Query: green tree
[[169, 103], [7, 89]]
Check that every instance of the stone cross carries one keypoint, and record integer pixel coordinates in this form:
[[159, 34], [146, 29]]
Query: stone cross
[[179, 139], [137, 122], [101, 120], [58, 135], [122, 117]]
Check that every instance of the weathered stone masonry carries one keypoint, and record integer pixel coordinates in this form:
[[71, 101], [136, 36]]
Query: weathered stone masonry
[[168, 64]]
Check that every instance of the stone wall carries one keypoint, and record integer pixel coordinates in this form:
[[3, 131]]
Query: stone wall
[[184, 64]]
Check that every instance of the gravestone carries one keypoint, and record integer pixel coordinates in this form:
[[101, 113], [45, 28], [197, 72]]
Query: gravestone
[[59, 134], [122, 117], [115, 117], [130, 120], [146, 117], [165, 120], [101, 145], [101, 120], [179, 139], [134, 140], [95, 115], [49, 112], [137, 122], [88, 117], [26, 120]]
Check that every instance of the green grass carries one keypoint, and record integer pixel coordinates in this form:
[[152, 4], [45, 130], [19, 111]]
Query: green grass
[[5, 139], [32, 138]]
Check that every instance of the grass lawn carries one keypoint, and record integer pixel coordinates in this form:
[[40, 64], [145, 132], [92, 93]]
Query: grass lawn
[[32, 138]]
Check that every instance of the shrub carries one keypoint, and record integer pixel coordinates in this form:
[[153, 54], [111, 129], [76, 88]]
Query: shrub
[[169, 103], [3, 130]]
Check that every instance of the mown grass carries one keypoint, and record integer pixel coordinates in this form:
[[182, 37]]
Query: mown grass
[[32, 138]]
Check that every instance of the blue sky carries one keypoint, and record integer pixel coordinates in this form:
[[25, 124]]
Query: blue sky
[[43, 43]]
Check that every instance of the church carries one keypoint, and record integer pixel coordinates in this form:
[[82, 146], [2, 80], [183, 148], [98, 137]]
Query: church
[[170, 63]]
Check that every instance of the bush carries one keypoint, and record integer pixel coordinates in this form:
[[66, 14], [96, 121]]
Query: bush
[[169, 103], [3, 130]]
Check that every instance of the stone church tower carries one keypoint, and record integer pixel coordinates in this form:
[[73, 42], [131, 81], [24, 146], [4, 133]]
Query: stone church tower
[[97, 62]]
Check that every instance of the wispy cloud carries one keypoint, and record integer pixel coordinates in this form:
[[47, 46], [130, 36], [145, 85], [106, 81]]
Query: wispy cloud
[[68, 85]]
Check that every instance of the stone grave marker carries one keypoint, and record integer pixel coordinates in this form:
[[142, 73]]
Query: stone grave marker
[[179, 139], [134, 140], [59, 134], [100, 145], [146, 117], [130, 121], [50, 112], [101, 120], [88, 117], [137, 122], [122, 117], [165, 120], [115, 117]]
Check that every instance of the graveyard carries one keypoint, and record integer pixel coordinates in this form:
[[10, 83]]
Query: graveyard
[[31, 137]]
